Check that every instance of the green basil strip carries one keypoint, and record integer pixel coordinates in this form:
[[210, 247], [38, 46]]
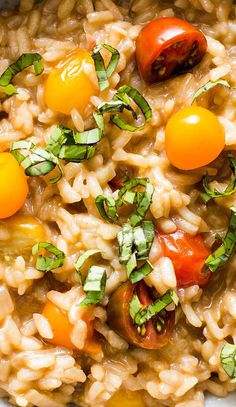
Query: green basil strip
[[46, 263], [125, 239], [148, 312], [230, 190], [224, 252], [139, 274], [228, 360], [76, 153], [209, 85], [142, 200], [95, 285], [104, 73], [38, 161], [143, 239], [58, 138], [134, 306], [23, 62], [82, 259], [107, 208]]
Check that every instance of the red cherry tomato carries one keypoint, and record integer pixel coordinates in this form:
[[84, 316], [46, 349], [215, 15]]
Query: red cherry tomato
[[188, 254], [168, 46], [120, 320]]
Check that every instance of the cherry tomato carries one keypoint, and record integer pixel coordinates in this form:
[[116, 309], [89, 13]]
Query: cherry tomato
[[120, 320], [62, 328], [188, 254], [126, 398], [168, 46], [193, 138], [23, 232], [70, 85], [13, 186]]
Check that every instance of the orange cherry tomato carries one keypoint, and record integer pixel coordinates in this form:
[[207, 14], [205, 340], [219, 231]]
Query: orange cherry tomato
[[188, 254], [120, 320], [23, 232], [13, 186], [62, 328], [72, 83], [193, 138], [126, 398], [168, 46]]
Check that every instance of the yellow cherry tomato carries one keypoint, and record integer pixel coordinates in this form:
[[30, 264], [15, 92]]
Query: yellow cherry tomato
[[126, 398], [62, 328], [13, 186], [20, 233], [72, 83], [193, 138]]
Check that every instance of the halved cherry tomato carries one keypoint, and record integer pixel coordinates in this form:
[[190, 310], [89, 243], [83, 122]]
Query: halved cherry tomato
[[168, 46], [126, 398], [13, 186], [72, 83], [62, 328], [23, 232], [120, 320], [188, 254], [193, 138]]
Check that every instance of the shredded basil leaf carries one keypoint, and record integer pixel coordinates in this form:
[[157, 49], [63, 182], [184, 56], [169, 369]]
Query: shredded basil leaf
[[36, 161], [145, 313], [82, 259], [104, 73], [72, 146], [142, 200], [23, 62], [134, 306], [224, 252], [107, 208], [46, 263], [230, 190], [125, 239], [95, 285], [122, 101], [210, 85], [137, 274], [228, 360]]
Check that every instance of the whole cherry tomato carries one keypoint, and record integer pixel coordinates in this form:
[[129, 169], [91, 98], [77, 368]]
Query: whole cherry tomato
[[168, 46], [120, 320], [188, 254], [194, 137]]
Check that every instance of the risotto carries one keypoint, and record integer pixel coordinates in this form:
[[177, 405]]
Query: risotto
[[117, 202]]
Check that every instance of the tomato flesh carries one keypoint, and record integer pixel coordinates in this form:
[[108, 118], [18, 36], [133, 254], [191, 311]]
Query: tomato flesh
[[120, 320], [188, 254], [168, 46]]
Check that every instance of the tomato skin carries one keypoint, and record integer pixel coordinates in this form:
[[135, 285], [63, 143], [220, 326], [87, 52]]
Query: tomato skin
[[62, 328], [120, 320], [13, 186], [69, 85], [194, 137], [188, 254], [160, 34]]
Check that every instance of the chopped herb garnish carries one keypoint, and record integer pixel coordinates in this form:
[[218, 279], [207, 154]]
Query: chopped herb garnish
[[141, 199], [46, 263], [122, 101], [95, 285], [35, 160], [82, 259], [224, 252], [141, 314], [209, 85], [228, 360], [134, 245], [230, 189], [72, 146], [104, 73], [107, 208], [23, 62]]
